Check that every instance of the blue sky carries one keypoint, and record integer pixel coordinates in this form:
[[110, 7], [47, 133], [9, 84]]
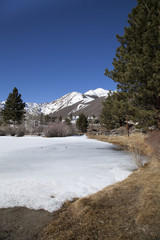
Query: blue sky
[[49, 48]]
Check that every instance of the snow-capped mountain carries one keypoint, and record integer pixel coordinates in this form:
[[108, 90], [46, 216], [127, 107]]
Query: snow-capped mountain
[[73, 102], [33, 108], [99, 92], [65, 101]]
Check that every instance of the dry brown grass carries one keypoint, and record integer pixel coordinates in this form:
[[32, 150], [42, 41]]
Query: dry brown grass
[[59, 130], [128, 210], [153, 140], [136, 142]]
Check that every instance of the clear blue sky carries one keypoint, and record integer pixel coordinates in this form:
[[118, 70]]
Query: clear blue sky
[[49, 48]]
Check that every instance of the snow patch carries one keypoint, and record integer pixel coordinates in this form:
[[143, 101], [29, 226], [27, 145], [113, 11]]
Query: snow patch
[[38, 172], [99, 92]]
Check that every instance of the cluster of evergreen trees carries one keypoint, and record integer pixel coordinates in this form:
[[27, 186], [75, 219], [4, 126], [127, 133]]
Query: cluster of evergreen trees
[[136, 70]]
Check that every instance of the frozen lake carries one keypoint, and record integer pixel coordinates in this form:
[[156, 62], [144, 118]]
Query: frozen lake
[[42, 173]]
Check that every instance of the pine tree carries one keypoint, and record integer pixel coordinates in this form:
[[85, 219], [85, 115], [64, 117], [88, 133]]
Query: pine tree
[[137, 61], [82, 123], [13, 111], [60, 118], [117, 108], [68, 121]]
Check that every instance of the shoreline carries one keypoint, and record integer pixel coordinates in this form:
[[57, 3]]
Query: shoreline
[[85, 218]]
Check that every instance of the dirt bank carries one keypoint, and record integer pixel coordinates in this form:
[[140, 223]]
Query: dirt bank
[[22, 224]]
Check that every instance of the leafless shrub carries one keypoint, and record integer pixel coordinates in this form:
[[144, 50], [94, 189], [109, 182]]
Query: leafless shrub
[[2, 132], [58, 130], [20, 132], [12, 131], [153, 139], [121, 131], [136, 149], [137, 156], [38, 130]]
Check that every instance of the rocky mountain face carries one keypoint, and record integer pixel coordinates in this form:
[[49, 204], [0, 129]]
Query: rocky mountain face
[[72, 103]]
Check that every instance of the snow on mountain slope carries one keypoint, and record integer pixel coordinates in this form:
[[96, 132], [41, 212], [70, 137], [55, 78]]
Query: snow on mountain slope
[[65, 101], [99, 92], [33, 108], [79, 107], [2, 104]]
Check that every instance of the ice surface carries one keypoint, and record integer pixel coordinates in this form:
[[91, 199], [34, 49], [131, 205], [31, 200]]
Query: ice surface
[[42, 173]]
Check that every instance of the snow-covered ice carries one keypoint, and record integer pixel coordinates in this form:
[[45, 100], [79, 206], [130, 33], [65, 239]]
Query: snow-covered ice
[[42, 173]]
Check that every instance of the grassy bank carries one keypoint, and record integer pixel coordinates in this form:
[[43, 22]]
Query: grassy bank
[[128, 210], [136, 142]]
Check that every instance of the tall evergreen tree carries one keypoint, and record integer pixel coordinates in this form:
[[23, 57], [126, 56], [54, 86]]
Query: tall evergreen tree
[[117, 108], [82, 123], [13, 111], [137, 61]]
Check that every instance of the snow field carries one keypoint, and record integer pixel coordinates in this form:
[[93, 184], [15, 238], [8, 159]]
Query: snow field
[[42, 173]]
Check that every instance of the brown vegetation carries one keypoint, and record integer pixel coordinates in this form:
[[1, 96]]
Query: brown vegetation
[[59, 130], [6, 130], [128, 210], [153, 140], [52, 129], [136, 142]]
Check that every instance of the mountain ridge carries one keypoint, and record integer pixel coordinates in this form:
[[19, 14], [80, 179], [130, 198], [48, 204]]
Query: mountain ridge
[[71, 103]]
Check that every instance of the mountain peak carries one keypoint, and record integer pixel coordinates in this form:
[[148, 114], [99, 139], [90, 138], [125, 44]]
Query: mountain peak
[[99, 92], [74, 101]]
